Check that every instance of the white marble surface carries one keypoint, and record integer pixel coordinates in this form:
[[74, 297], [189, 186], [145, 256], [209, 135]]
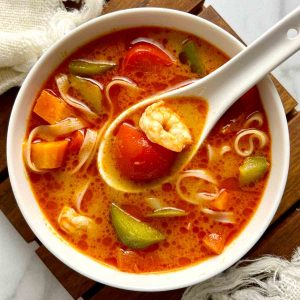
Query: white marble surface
[[23, 276]]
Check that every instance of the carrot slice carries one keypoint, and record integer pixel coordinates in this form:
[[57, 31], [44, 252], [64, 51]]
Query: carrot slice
[[215, 242], [137, 262], [51, 108], [76, 140], [127, 260], [48, 155], [221, 203]]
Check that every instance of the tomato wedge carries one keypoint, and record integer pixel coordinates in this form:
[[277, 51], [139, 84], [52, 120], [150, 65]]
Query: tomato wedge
[[146, 55], [139, 159]]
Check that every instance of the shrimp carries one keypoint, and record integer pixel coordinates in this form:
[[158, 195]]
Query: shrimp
[[164, 127], [71, 222]]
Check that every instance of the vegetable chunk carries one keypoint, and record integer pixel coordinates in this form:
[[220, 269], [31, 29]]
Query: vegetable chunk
[[221, 202], [77, 138], [89, 91], [51, 108], [128, 260], [190, 53], [214, 242], [131, 231], [48, 155], [146, 55], [253, 169], [138, 158], [89, 68]]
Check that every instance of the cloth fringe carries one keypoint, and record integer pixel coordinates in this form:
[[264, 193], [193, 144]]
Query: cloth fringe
[[20, 49], [269, 277]]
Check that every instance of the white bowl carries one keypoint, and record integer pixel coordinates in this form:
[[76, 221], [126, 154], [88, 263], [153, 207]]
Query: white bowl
[[31, 210]]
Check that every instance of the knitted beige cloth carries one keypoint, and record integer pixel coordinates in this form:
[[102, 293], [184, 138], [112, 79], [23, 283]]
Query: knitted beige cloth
[[267, 278], [29, 27]]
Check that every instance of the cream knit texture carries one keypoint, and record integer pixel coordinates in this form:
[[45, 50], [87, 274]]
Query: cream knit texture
[[29, 27], [266, 278]]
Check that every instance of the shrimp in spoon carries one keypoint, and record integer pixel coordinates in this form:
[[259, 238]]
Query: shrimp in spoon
[[164, 127]]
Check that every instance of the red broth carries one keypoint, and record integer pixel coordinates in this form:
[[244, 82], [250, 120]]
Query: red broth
[[191, 238]]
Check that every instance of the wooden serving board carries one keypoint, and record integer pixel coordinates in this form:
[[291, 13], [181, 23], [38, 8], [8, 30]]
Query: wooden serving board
[[285, 225]]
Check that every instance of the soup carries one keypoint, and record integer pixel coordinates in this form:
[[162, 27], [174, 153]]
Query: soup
[[178, 223]]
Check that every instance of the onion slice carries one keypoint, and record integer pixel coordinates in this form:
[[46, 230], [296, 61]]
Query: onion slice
[[222, 217], [199, 197], [214, 152], [167, 212], [224, 149], [86, 149], [49, 133], [63, 85], [211, 153], [101, 130], [155, 203], [254, 117], [253, 134], [99, 135], [81, 194]]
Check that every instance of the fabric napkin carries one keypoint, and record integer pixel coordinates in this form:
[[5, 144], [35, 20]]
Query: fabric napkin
[[29, 27], [266, 278]]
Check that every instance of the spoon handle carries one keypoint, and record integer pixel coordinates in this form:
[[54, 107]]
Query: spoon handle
[[243, 71]]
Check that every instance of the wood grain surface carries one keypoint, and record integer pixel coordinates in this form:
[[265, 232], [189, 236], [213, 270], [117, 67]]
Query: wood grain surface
[[286, 222], [117, 294], [9, 207], [192, 6], [7, 101], [281, 240], [73, 282], [292, 189]]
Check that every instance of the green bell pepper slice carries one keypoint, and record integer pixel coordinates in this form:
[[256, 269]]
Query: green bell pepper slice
[[191, 54], [132, 232], [253, 169], [88, 68]]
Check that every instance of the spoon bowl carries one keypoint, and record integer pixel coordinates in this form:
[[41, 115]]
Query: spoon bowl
[[221, 89], [107, 166]]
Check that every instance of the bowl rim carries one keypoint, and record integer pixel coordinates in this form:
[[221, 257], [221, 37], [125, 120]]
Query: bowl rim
[[13, 123]]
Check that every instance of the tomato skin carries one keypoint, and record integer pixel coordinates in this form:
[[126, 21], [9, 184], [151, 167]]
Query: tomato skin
[[139, 159], [146, 55]]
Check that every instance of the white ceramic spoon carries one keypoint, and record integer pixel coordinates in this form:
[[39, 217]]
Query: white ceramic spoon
[[220, 88]]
